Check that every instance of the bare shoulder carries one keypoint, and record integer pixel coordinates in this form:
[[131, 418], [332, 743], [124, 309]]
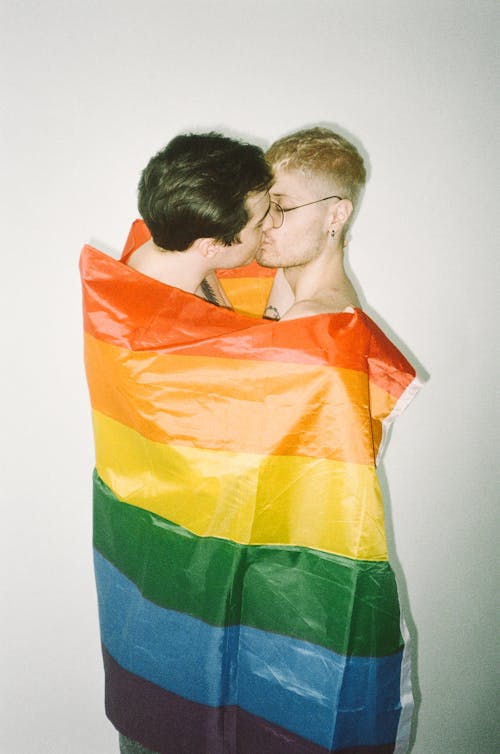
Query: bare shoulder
[[329, 302], [311, 308]]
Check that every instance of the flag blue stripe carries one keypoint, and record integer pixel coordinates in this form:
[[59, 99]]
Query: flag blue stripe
[[332, 700]]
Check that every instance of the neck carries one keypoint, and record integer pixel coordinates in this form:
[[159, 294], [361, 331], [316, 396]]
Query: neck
[[324, 272], [180, 269]]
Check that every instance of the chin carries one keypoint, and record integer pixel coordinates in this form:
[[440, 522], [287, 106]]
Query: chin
[[264, 260]]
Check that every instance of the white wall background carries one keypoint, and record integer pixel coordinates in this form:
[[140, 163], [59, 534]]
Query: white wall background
[[90, 90]]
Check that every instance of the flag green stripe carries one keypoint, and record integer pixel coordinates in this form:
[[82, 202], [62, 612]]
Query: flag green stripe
[[348, 606]]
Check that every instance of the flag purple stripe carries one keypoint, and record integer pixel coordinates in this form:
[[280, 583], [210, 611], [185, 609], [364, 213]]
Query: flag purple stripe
[[166, 723]]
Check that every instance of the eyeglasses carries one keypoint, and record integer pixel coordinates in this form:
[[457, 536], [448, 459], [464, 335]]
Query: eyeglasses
[[277, 213]]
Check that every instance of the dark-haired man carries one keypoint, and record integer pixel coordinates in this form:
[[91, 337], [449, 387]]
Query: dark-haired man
[[319, 177], [205, 201]]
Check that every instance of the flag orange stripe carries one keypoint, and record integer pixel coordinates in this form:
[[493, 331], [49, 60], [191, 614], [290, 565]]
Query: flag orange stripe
[[217, 403]]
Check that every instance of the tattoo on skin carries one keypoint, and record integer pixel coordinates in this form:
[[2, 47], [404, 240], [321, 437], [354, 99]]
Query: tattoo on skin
[[209, 293], [272, 313]]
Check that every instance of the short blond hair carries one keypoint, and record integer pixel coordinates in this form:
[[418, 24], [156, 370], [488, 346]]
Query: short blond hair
[[321, 152]]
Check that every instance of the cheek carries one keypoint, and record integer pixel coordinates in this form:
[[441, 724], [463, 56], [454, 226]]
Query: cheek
[[255, 236], [284, 237]]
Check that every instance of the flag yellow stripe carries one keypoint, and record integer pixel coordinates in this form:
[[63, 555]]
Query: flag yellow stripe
[[249, 498], [248, 295]]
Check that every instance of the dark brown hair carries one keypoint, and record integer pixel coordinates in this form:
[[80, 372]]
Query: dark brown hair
[[196, 188]]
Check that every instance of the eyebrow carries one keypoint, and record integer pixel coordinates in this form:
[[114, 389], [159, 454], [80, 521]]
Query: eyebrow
[[283, 196]]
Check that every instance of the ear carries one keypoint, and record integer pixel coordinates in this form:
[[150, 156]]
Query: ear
[[207, 247], [340, 214]]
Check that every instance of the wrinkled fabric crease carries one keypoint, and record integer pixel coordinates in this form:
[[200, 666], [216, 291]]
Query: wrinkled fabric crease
[[246, 601]]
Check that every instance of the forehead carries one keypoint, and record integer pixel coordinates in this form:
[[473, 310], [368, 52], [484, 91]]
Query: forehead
[[257, 204], [294, 184]]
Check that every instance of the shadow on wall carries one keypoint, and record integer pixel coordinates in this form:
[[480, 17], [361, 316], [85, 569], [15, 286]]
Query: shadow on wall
[[403, 598], [423, 376]]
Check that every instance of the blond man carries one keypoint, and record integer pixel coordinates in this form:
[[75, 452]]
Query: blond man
[[319, 177]]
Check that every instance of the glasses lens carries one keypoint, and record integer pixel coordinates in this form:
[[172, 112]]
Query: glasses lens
[[276, 214]]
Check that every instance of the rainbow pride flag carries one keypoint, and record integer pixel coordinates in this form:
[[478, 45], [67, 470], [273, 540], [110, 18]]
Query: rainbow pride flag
[[246, 602]]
